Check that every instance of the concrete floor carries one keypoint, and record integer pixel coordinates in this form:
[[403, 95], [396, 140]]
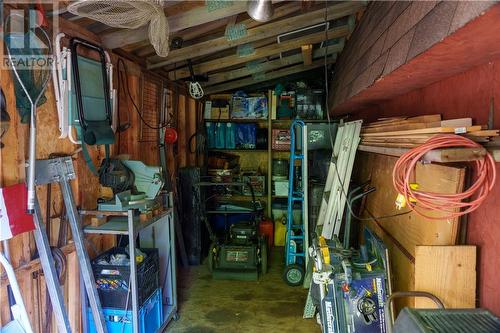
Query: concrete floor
[[267, 305]]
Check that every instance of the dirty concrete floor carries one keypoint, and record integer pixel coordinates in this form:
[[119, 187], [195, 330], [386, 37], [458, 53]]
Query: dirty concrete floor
[[267, 305]]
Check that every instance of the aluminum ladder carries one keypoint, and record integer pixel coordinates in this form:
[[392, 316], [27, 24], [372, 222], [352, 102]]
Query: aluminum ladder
[[338, 179], [60, 170], [296, 241]]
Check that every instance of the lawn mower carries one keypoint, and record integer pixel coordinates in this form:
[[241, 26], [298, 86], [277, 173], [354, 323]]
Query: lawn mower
[[241, 253]]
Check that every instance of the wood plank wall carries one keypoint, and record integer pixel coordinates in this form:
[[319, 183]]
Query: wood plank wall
[[185, 113]]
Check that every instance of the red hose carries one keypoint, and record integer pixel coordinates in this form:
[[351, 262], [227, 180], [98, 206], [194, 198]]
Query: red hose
[[450, 205]]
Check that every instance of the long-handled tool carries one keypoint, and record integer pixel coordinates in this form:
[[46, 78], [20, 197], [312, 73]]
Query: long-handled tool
[[33, 81]]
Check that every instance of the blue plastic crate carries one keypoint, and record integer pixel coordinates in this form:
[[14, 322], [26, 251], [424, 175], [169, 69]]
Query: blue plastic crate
[[150, 317]]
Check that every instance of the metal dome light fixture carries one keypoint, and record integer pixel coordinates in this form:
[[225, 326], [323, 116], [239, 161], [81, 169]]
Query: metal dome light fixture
[[260, 10]]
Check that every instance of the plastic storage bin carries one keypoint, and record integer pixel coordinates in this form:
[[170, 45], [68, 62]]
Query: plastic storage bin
[[113, 280], [120, 321]]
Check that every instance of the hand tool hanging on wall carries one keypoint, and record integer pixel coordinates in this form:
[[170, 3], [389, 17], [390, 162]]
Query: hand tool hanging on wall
[[33, 80], [4, 117]]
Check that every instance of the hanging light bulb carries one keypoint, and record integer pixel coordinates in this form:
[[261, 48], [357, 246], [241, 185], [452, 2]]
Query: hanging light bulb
[[260, 10]]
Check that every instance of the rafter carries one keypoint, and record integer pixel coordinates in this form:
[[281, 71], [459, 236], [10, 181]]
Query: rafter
[[266, 66], [181, 21], [263, 31], [262, 52], [268, 76]]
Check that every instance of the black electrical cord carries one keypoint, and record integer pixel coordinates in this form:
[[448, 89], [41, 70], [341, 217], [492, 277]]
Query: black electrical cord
[[348, 204], [124, 83]]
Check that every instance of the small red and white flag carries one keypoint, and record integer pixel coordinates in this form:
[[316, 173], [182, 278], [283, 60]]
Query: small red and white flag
[[13, 217]]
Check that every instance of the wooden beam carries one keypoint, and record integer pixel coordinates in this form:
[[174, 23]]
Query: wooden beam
[[268, 76], [447, 155], [264, 67], [147, 50], [307, 54], [423, 131], [181, 21], [263, 52], [257, 33], [74, 30]]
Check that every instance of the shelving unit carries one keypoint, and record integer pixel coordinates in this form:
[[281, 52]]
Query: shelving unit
[[271, 153], [157, 232]]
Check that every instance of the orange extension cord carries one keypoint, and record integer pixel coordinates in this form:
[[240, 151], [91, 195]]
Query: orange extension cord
[[450, 205]]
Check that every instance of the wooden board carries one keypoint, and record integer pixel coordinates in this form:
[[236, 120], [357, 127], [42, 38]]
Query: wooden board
[[422, 131], [438, 155], [449, 272], [403, 233]]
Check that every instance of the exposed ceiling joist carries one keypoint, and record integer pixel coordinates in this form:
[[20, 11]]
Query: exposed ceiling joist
[[266, 66], [263, 52], [181, 21], [268, 76], [263, 31]]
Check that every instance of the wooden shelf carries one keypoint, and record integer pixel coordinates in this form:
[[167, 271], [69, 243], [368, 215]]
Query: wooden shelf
[[304, 120], [274, 121], [236, 120], [239, 150]]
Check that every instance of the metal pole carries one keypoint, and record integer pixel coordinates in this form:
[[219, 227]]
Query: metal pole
[[389, 320], [83, 257], [173, 260], [133, 271], [49, 271]]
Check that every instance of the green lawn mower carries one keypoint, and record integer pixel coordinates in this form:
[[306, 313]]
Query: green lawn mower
[[242, 253]]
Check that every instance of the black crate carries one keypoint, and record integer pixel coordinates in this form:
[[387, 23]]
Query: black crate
[[112, 280]]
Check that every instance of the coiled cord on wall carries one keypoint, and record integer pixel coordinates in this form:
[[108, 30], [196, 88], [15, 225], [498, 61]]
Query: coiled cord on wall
[[449, 205]]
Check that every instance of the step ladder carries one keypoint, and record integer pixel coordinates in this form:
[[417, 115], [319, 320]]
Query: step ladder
[[337, 183], [338, 179], [60, 170], [296, 242]]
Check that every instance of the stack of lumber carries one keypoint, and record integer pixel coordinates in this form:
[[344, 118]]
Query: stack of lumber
[[403, 132], [393, 136]]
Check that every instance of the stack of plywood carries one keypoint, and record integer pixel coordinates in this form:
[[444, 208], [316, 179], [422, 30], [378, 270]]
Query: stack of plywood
[[424, 254]]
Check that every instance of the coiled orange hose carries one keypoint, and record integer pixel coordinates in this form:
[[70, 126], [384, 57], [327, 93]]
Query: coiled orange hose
[[450, 205]]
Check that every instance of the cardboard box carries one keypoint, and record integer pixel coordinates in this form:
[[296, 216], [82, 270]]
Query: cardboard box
[[253, 107], [220, 113], [220, 105], [281, 139]]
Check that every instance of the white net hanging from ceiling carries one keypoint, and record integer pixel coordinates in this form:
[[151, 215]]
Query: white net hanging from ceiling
[[128, 14]]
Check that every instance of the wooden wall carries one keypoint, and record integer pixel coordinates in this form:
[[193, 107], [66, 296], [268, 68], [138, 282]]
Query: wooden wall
[[185, 114], [474, 93]]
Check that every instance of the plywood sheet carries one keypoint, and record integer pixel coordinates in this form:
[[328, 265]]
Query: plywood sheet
[[411, 229], [404, 233], [449, 272]]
